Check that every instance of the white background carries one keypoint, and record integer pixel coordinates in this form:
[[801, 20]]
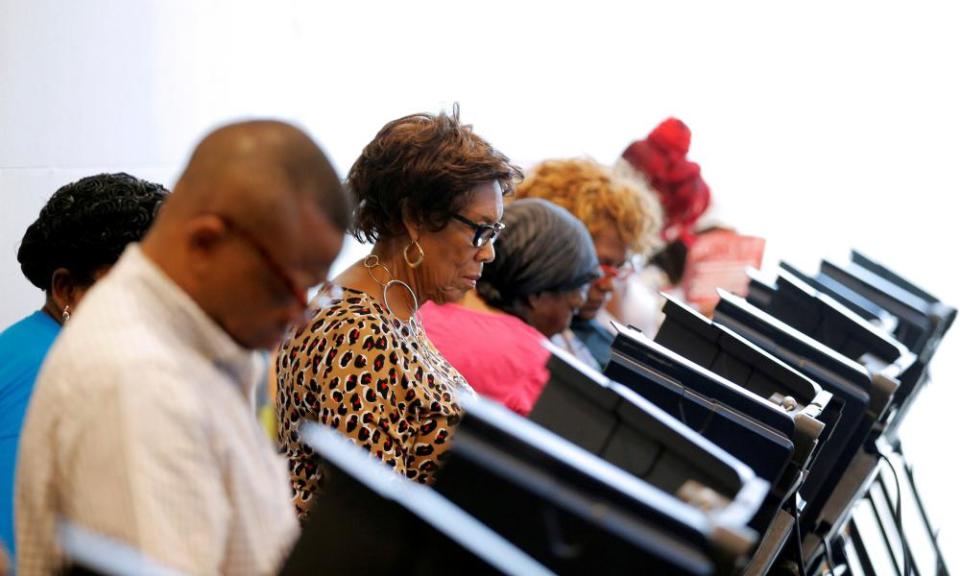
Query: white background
[[820, 126]]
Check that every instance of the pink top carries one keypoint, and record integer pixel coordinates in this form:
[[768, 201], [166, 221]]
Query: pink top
[[499, 355]]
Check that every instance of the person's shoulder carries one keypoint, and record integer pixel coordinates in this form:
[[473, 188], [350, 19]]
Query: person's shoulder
[[97, 357], [518, 328], [592, 329], [83, 386], [459, 317], [349, 317], [504, 332], [28, 340], [345, 311], [36, 326], [521, 340], [433, 314]]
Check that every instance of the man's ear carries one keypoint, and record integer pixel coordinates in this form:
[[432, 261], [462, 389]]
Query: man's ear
[[204, 237], [205, 232]]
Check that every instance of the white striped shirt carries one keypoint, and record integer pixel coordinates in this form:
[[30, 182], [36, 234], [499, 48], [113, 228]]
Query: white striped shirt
[[141, 429]]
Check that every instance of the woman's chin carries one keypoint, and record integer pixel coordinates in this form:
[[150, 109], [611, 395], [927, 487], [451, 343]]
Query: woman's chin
[[447, 295], [588, 312]]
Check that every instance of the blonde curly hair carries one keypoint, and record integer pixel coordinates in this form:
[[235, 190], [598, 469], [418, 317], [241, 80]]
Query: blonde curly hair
[[597, 196]]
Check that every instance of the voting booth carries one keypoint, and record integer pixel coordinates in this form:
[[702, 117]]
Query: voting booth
[[761, 440]]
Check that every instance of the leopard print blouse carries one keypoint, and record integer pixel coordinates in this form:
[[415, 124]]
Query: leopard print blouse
[[356, 368]]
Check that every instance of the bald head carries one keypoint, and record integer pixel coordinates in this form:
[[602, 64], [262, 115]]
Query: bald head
[[261, 173], [257, 217]]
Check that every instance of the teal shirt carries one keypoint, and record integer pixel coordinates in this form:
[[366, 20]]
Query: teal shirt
[[597, 340], [23, 346]]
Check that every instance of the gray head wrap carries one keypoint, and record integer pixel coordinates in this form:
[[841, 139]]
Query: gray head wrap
[[543, 248]]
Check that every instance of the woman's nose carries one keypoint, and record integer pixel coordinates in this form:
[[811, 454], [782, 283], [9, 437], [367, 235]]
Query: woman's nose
[[486, 253], [604, 284]]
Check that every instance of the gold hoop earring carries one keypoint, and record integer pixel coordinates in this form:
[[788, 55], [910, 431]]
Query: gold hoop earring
[[65, 315], [406, 256]]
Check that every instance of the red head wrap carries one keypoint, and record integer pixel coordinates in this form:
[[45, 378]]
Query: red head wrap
[[662, 158]]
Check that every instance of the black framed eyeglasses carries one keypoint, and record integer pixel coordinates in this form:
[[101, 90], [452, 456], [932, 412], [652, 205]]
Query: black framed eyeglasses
[[483, 233]]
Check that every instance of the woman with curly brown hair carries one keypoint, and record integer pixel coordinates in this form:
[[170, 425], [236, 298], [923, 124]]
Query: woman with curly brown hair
[[429, 196], [623, 219]]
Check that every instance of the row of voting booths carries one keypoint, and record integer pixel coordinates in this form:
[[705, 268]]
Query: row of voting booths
[[763, 440]]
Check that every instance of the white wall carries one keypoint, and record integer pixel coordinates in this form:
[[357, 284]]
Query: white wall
[[819, 126]]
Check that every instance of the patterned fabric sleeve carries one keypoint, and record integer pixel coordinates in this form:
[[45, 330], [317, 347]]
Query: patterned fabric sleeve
[[351, 371]]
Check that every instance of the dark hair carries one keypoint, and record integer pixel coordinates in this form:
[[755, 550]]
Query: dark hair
[[86, 225], [422, 165], [543, 248]]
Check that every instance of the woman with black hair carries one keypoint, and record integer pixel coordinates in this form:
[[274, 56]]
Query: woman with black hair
[[80, 233], [545, 264]]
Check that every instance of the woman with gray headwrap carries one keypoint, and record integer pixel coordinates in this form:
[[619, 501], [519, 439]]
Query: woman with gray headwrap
[[544, 265]]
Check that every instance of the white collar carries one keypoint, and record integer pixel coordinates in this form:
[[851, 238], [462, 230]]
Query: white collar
[[189, 323]]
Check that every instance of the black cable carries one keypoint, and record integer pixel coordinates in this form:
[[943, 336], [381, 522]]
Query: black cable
[[801, 565], [661, 450], [711, 410], [898, 518], [683, 413], [829, 555]]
